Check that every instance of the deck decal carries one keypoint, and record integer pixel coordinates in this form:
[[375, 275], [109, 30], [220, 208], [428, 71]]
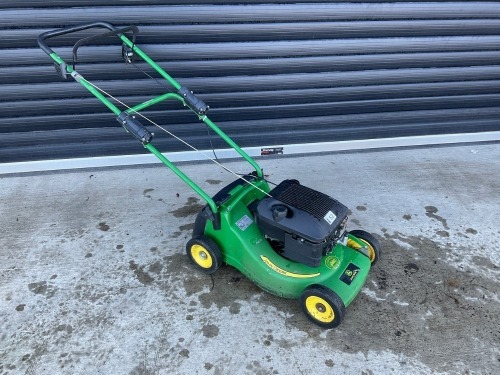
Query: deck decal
[[244, 222], [281, 271], [349, 274]]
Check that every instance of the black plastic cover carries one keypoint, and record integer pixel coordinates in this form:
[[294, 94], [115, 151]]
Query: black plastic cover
[[311, 214], [302, 224]]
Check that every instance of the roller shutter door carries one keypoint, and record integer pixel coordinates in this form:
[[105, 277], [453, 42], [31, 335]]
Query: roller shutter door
[[273, 72]]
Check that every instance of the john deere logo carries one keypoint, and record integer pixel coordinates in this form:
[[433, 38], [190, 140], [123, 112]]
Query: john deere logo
[[332, 262], [349, 274]]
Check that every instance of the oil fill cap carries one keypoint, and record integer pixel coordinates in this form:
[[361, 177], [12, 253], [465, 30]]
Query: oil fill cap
[[279, 212]]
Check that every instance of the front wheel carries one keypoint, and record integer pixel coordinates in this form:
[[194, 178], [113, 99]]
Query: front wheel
[[372, 244], [322, 306], [204, 254]]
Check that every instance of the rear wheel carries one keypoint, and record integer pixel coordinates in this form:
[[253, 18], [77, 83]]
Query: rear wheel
[[372, 244], [204, 254], [322, 306]]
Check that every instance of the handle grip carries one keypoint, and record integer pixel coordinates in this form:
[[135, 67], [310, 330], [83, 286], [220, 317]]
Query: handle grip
[[68, 30], [116, 31]]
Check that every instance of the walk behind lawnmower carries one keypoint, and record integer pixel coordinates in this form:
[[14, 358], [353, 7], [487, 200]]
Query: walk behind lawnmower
[[290, 240]]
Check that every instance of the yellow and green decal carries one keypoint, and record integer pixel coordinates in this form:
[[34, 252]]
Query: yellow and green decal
[[283, 272], [332, 262]]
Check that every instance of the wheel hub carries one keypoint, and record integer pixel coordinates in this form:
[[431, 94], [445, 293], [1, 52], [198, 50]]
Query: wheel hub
[[320, 307], [201, 256]]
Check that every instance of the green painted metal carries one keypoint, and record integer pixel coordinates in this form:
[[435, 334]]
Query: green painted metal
[[87, 85], [239, 238], [249, 251], [177, 86], [231, 143], [182, 176], [147, 59], [156, 100], [99, 96]]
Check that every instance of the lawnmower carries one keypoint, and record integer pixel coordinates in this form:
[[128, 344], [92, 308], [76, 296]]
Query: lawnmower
[[290, 240]]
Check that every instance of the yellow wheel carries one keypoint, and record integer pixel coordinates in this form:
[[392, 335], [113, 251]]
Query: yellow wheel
[[319, 309], [322, 306], [201, 256], [204, 254], [370, 243]]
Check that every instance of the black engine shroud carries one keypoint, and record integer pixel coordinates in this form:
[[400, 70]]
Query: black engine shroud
[[301, 223]]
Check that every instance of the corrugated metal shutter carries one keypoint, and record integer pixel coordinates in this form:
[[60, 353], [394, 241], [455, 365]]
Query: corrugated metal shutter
[[273, 72]]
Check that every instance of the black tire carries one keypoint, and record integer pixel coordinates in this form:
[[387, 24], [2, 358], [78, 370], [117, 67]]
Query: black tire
[[322, 306], [374, 248], [204, 254]]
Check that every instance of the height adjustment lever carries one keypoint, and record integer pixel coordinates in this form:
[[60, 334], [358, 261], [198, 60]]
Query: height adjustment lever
[[193, 102], [134, 127]]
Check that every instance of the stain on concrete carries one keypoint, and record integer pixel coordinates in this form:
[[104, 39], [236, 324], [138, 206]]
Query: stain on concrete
[[141, 275], [381, 277], [410, 268], [43, 288], [195, 283], [156, 267], [356, 222], [210, 330], [407, 217], [184, 353], [443, 233], [38, 287], [361, 208], [267, 340], [224, 293], [103, 226], [182, 231], [191, 207], [146, 192], [235, 308], [431, 211], [485, 263], [64, 327], [186, 227], [423, 299], [213, 182], [143, 370], [471, 231], [20, 307], [208, 366]]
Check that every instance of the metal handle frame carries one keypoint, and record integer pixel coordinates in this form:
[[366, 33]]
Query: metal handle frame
[[166, 96]]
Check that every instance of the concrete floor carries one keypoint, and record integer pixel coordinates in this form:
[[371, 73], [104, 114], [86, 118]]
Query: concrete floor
[[94, 277]]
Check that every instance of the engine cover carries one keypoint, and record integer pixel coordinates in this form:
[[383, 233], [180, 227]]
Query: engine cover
[[301, 223]]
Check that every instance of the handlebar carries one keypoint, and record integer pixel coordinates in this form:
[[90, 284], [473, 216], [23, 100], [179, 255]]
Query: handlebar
[[116, 31], [72, 29], [67, 30]]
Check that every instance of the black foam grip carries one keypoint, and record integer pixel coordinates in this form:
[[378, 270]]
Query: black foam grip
[[134, 127]]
